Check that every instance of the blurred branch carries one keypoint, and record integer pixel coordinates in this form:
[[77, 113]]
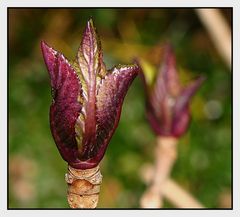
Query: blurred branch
[[175, 194], [162, 186], [218, 30], [166, 154]]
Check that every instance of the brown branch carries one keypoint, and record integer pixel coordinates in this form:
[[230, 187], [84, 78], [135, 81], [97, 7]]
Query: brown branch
[[218, 30], [166, 154], [178, 196], [161, 186]]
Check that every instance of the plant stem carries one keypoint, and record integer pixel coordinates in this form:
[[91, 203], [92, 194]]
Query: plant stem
[[83, 187], [166, 154], [178, 196]]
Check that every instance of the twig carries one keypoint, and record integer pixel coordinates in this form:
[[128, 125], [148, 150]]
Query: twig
[[162, 185], [172, 191], [218, 30], [166, 154], [178, 196], [83, 187]]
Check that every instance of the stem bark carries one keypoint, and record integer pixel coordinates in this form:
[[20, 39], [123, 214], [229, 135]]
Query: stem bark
[[83, 187]]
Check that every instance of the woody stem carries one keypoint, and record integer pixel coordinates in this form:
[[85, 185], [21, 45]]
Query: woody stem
[[166, 154], [83, 187]]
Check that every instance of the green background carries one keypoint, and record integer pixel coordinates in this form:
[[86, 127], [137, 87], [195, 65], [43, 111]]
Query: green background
[[36, 170]]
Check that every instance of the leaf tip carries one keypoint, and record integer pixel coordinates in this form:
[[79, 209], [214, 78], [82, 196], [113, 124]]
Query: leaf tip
[[169, 54], [136, 68], [42, 43], [44, 46], [90, 20], [90, 24], [47, 50], [198, 82]]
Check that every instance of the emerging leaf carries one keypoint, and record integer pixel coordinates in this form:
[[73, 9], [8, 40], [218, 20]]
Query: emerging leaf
[[109, 103], [65, 108]]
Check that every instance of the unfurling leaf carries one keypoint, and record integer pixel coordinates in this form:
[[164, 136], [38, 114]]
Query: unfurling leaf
[[65, 108], [87, 100]]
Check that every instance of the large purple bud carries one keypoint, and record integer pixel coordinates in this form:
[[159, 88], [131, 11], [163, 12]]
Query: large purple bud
[[87, 100]]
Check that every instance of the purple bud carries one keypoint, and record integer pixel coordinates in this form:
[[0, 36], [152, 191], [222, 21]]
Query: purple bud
[[87, 100], [167, 101]]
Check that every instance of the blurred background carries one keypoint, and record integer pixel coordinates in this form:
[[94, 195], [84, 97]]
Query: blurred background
[[36, 170]]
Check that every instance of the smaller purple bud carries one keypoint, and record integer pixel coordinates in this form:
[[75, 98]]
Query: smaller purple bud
[[167, 100]]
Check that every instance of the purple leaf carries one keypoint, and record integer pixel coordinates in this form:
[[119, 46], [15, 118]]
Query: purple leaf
[[186, 94], [180, 123], [87, 59], [91, 66], [65, 108], [110, 98], [158, 96], [169, 73], [51, 61]]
